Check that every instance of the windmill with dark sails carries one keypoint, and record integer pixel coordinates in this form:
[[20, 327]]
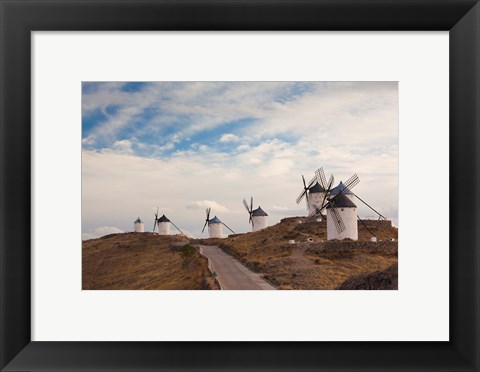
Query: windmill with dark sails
[[257, 217], [315, 193], [214, 225], [162, 224], [341, 212]]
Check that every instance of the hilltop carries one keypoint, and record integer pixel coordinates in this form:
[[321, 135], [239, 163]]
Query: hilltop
[[151, 261], [143, 261], [312, 262]]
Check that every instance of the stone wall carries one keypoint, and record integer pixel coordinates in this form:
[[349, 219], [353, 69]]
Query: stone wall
[[348, 244], [371, 224]]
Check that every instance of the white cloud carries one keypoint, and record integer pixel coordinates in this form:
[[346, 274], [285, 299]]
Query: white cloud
[[122, 147], [204, 204], [229, 137], [101, 231]]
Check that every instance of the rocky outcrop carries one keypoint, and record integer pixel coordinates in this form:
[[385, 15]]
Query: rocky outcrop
[[378, 280]]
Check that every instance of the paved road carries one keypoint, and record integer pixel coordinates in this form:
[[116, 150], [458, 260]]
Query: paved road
[[231, 274]]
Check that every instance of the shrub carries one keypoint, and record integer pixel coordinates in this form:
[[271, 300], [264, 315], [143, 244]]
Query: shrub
[[187, 250]]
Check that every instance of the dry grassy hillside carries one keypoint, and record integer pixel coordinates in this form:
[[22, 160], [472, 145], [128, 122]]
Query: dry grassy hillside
[[387, 279], [143, 261], [319, 264]]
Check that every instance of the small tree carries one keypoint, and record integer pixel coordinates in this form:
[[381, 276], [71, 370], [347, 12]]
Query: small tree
[[188, 250]]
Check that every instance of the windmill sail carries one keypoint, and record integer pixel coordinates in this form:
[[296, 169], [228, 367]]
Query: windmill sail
[[304, 192], [156, 220], [337, 220], [249, 209], [207, 219]]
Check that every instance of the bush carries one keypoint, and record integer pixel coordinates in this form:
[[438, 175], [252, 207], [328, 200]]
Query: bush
[[188, 250]]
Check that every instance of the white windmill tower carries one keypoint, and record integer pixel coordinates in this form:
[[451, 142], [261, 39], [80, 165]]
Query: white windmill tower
[[258, 217], [342, 218], [138, 226], [316, 196], [341, 212], [163, 225], [214, 226]]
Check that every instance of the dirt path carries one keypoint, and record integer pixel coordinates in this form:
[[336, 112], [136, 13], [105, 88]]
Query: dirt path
[[230, 273]]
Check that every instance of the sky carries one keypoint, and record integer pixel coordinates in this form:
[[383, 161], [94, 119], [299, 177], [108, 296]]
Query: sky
[[186, 146]]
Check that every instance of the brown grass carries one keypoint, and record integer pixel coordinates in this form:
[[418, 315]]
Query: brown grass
[[143, 261], [306, 265], [387, 279]]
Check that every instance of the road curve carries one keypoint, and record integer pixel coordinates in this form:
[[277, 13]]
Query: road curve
[[231, 274]]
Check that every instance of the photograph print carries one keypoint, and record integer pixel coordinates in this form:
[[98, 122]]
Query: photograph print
[[240, 185]]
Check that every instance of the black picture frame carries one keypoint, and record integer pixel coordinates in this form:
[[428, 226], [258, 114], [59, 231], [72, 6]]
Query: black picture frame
[[18, 18]]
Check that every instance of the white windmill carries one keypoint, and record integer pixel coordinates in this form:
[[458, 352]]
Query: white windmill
[[315, 193], [342, 217], [138, 226], [257, 217], [316, 196], [162, 225], [214, 226], [341, 211]]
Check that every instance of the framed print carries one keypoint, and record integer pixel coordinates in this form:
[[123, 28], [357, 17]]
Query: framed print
[[128, 128]]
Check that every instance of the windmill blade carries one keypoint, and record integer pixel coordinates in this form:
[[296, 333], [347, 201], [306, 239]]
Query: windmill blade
[[331, 180], [317, 212], [320, 176], [181, 232], [208, 213], [304, 192], [337, 220], [228, 228], [327, 190], [204, 226], [352, 182], [156, 218], [300, 197], [312, 182], [246, 206], [249, 209]]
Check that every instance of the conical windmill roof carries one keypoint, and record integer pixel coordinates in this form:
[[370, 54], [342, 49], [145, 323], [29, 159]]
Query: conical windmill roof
[[340, 187], [138, 220], [214, 220], [163, 219], [259, 212], [342, 201], [316, 188]]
